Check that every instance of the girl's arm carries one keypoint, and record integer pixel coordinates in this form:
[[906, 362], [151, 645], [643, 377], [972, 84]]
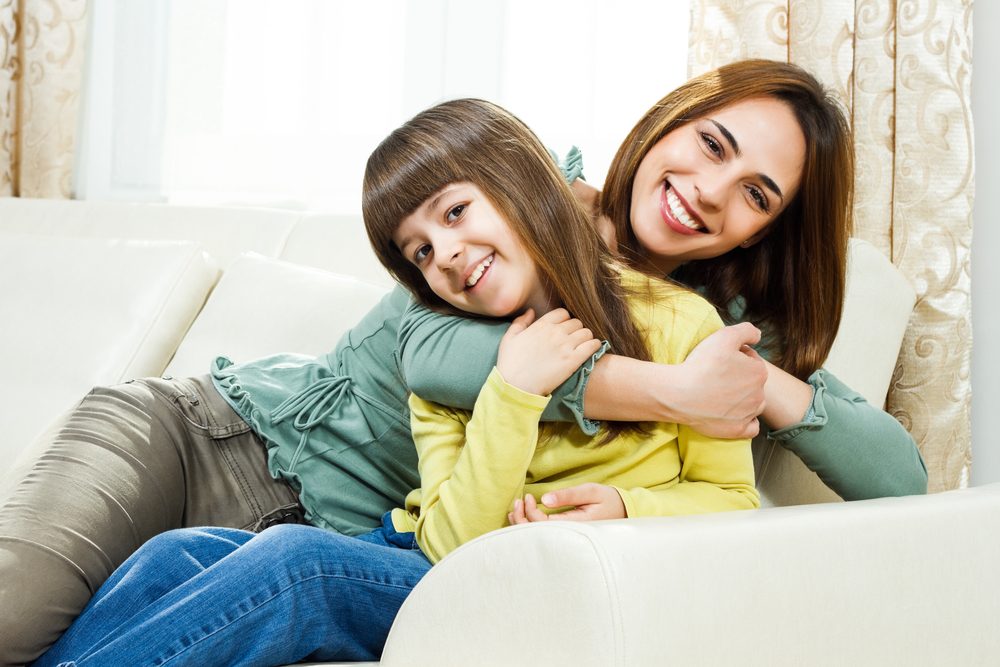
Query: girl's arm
[[718, 390], [857, 449], [716, 475], [472, 468]]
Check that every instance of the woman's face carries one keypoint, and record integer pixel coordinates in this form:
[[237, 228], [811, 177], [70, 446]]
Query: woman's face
[[469, 256], [717, 182]]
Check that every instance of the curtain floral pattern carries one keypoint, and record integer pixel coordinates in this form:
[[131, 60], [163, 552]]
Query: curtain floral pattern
[[41, 71], [902, 68]]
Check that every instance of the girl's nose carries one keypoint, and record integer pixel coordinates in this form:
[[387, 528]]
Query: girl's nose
[[448, 255]]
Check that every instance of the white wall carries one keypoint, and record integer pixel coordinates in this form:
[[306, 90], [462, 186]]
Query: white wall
[[986, 245]]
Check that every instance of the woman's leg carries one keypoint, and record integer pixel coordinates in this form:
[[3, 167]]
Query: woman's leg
[[221, 596], [127, 463]]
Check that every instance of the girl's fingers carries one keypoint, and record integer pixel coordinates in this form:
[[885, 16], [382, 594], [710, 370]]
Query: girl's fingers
[[521, 322], [531, 510], [582, 494]]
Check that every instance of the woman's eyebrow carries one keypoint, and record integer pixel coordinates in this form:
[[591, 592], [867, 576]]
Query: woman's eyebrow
[[764, 178]]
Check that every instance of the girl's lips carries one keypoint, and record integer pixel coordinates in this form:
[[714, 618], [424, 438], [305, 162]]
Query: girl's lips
[[668, 217], [485, 274]]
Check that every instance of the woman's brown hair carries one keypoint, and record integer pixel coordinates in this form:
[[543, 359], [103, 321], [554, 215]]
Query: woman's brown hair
[[793, 280], [478, 142]]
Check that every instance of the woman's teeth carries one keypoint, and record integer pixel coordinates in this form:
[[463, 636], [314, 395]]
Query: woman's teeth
[[677, 208], [478, 273]]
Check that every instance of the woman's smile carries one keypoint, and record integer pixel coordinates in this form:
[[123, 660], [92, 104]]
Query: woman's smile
[[677, 214]]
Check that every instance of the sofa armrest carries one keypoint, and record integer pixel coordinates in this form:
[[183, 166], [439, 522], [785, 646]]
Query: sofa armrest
[[905, 581]]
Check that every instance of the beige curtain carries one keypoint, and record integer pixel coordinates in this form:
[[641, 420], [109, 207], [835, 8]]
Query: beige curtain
[[41, 70], [903, 69]]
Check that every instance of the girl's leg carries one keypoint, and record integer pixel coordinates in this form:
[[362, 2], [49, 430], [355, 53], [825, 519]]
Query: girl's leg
[[218, 596], [127, 463]]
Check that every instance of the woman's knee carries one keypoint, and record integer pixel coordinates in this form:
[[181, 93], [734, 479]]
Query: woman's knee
[[42, 593]]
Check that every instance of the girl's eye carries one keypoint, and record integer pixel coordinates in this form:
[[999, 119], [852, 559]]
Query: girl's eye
[[759, 198], [455, 212], [421, 253], [711, 144]]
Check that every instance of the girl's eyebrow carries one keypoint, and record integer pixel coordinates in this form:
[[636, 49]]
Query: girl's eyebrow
[[433, 204], [764, 178]]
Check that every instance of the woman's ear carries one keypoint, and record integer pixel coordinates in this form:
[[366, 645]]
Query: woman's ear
[[756, 238]]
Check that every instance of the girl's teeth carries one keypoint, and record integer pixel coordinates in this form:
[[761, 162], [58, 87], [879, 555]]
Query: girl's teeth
[[478, 273], [677, 208]]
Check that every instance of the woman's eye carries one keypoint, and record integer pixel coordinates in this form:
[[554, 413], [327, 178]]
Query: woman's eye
[[759, 198], [421, 253], [711, 144], [455, 212]]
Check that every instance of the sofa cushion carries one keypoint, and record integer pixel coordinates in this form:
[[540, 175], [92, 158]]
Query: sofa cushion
[[83, 312], [877, 309], [335, 243], [264, 306]]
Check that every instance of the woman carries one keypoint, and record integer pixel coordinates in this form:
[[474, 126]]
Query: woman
[[476, 222]]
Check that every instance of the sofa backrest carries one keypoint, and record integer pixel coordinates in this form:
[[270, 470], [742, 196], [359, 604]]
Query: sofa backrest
[[78, 312]]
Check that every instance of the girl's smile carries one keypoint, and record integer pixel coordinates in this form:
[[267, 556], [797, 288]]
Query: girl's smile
[[469, 256]]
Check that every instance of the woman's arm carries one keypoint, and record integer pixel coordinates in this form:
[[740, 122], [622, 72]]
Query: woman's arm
[[718, 390], [857, 449]]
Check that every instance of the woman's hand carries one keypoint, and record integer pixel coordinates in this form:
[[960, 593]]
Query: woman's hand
[[721, 391], [537, 356], [590, 502]]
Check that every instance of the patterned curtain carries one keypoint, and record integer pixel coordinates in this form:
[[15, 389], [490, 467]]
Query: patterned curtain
[[902, 68], [41, 70]]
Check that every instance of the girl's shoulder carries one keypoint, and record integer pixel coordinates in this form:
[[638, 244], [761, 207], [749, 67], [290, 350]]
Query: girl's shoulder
[[659, 297], [672, 318]]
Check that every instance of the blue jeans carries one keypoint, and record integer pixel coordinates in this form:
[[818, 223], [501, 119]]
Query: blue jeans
[[222, 596]]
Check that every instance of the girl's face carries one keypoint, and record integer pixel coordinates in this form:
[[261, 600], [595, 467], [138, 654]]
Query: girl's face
[[717, 182], [469, 256]]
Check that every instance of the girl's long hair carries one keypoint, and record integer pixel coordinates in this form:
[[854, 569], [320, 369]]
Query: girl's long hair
[[793, 280], [478, 142]]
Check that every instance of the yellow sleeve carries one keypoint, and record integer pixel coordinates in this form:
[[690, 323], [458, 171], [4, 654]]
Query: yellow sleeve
[[716, 474], [472, 469]]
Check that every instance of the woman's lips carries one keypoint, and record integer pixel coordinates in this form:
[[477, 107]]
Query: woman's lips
[[668, 216]]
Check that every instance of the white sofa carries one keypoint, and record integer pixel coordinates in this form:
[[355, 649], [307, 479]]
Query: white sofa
[[97, 293]]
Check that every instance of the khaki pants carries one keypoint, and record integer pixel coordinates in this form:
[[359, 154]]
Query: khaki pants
[[127, 463]]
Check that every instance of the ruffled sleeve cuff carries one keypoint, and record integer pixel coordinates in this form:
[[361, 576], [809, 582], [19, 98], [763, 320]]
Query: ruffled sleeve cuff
[[571, 166], [815, 416], [567, 399]]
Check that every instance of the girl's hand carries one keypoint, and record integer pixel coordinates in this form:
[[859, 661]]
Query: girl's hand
[[590, 502], [536, 356]]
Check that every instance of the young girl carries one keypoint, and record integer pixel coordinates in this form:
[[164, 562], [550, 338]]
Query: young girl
[[441, 212]]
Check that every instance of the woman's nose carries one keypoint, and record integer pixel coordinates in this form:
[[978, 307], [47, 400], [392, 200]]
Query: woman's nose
[[712, 191]]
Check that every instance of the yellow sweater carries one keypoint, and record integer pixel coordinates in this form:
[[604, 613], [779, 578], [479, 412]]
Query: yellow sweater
[[474, 465]]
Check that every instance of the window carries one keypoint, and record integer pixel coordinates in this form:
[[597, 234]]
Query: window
[[279, 103]]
